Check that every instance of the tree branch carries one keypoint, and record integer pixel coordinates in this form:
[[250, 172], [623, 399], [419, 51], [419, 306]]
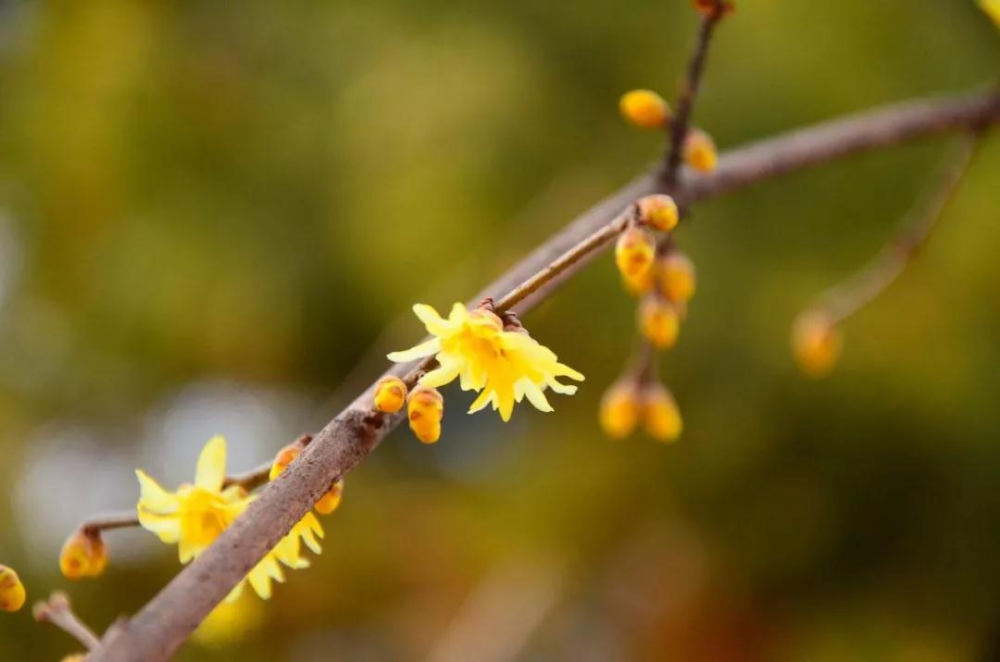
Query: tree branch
[[164, 623], [57, 611], [848, 297]]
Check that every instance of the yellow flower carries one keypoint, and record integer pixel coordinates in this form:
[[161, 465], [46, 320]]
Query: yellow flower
[[816, 344], [620, 409], [992, 9], [505, 366], [645, 109], [84, 554], [329, 501], [194, 515], [390, 395], [12, 593], [288, 551]]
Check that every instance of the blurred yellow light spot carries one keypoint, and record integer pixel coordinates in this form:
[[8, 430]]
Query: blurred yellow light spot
[[992, 9]]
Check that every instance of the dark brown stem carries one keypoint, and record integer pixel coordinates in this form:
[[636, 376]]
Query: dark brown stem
[[160, 627], [681, 122], [848, 297], [57, 611]]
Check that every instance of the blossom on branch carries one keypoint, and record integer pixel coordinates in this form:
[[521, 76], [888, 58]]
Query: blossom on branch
[[12, 593], [503, 363]]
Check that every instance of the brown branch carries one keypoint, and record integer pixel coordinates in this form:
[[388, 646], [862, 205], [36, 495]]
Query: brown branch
[[160, 627], [848, 297], [681, 122], [57, 611]]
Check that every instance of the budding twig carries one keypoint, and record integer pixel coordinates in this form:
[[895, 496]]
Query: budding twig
[[160, 627], [851, 295], [57, 611], [681, 122]]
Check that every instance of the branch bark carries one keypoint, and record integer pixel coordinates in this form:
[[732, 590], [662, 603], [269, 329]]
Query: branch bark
[[164, 623]]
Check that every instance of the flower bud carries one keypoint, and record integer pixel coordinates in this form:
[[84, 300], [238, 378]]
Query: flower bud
[[636, 285], [815, 343], [12, 593], [710, 7], [659, 322], [660, 414], [619, 411], [284, 457], [425, 409], [699, 151], [390, 395], [677, 278], [658, 212], [645, 109], [330, 501], [84, 554], [634, 252]]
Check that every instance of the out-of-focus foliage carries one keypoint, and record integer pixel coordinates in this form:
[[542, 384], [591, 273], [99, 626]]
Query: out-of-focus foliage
[[210, 211]]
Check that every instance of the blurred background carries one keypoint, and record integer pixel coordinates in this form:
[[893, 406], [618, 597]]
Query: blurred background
[[214, 218]]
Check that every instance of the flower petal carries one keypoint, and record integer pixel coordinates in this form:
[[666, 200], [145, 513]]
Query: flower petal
[[153, 497], [421, 351], [211, 471]]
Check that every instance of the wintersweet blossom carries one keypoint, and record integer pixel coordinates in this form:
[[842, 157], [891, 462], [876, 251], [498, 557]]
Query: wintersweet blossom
[[196, 514], [503, 365]]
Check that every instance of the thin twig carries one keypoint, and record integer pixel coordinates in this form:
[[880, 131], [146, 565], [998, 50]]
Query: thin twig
[[851, 295], [57, 611], [160, 627], [681, 122], [644, 356]]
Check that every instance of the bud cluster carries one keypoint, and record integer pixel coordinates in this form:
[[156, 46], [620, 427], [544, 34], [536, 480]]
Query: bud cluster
[[627, 402]]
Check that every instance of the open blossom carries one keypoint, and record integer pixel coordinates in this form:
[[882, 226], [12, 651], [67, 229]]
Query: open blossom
[[504, 366], [196, 514]]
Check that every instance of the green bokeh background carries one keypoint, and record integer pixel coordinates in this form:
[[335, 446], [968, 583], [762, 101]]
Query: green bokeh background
[[210, 212]]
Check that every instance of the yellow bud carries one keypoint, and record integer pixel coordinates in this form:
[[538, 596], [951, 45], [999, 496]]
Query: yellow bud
[[815, 343], [12, 593], [620, 409], [634, 252], [636, 285], [699, 151], [992, 9], [660, 414], [677, 279], [645, 109], [330, 501], [659, 212], [425, 409], [390, 395], [284, 457], [84, 554], [659, 322]]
